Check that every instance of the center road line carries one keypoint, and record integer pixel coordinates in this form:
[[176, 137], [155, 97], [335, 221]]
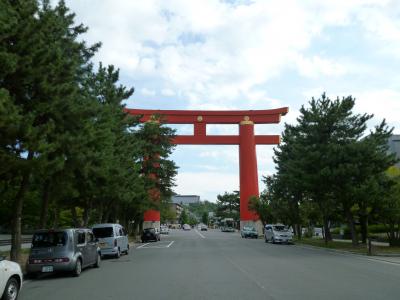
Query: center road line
[[199, 234], [249, 276]]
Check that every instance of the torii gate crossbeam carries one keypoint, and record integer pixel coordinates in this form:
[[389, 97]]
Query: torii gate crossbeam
[[246, 140]]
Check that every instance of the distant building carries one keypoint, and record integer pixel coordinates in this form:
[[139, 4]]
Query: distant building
[[177, 209], [185, 199], [394, 146]]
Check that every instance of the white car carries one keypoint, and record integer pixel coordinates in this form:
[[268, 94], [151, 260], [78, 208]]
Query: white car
[[164, 230], [10, 279], [278, 233], [112, 238]]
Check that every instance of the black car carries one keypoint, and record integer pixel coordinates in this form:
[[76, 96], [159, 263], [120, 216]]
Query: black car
[[150, 234]]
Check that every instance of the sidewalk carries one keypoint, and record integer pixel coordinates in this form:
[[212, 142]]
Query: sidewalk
[[394, 259], [373, 242]]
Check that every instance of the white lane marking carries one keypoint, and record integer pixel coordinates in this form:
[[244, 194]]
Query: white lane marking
[[142, 246], [199, 234], [159, 245]]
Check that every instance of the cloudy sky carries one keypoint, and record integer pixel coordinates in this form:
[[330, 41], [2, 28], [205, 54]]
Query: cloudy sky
[[210, 54]]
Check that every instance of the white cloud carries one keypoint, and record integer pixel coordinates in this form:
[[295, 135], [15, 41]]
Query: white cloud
[[218, 56], [206, 184], [384, 104], [316, 66], [147, 92], [167, 92], [221, 52]]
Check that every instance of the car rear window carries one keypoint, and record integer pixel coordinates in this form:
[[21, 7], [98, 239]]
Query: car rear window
[[103, 232], [49, 239]]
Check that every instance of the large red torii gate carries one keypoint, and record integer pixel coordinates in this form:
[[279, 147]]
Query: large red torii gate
[[246, 140]]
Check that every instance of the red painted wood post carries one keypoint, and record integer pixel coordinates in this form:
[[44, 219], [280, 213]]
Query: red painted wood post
[[247, 169]]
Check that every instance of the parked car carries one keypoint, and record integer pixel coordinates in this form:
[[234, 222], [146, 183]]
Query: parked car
[[186, 227], [278, 233], [150, 234], [65, 250], [164, 229], [249, 231], [10, 279], [112, 238], [203, 227]]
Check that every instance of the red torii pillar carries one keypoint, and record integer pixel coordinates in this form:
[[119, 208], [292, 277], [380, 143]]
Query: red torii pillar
[[246, 140]]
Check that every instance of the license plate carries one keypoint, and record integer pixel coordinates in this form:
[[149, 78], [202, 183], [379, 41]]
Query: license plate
[[102, 245], [47, 269]]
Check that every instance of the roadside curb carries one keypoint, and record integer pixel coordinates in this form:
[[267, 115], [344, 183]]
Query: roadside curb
[[379, 257]]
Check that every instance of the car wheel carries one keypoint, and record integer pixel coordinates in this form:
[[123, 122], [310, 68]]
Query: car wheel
[[273, 240], [118, 255], [98, 261], [127, 250], [12, 289], [78, 268], [266, 240]]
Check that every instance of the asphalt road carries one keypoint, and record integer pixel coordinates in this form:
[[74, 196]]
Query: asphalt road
[[216, 265]]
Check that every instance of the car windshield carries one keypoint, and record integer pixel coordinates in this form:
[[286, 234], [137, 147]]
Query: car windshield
[[49, 239], [280, 228], [152, 230], [103, 232], [249, 228]]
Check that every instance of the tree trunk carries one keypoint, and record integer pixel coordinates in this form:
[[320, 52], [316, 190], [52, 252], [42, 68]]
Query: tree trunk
[[86, 214], [100, 212], [298, 231], [56, 216], [15, 252], [75, 217], [45, 204], [392, 237], [364, 228], [352, 227], [327, 231]]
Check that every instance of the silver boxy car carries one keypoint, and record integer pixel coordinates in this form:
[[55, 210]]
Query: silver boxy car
[[113, 239], [277, 233], [64, 250]]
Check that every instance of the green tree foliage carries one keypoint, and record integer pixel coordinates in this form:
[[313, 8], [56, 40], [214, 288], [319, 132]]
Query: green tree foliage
[[184, 217], [327, 161], [228, 205], [69, 155], [204, 218], [389, 209], [261, 206], [202, 208]]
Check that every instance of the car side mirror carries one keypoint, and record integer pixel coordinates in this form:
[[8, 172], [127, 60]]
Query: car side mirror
[[96, 240]]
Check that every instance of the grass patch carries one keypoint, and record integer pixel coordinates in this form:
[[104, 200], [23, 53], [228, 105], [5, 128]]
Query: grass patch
[[345, 246]]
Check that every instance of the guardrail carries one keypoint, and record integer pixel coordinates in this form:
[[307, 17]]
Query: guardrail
[[8, 242]]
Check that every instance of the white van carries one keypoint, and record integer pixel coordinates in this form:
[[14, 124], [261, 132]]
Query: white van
[[113, 239], [278, 233]]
